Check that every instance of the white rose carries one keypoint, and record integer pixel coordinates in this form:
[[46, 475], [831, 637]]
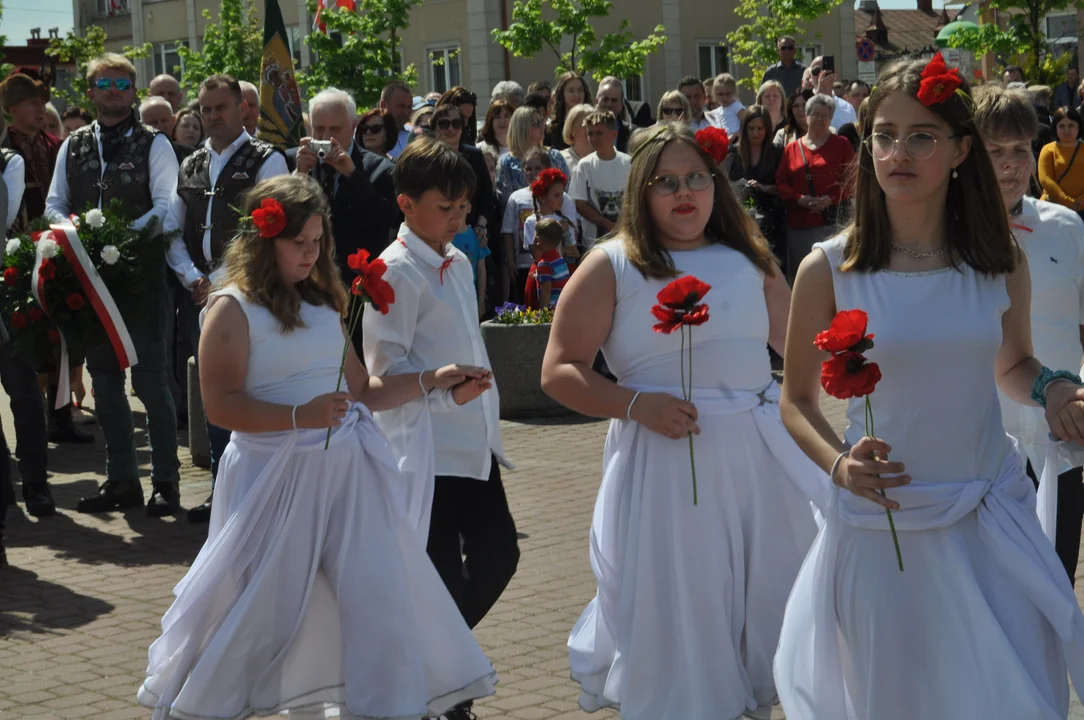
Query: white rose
[[12, 246], [110, 254], [48, 248], [95, 218]]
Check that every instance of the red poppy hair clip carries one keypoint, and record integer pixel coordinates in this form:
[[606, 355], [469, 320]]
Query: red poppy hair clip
[[545, 181], [939, 82], [269, 218], [715, 142]]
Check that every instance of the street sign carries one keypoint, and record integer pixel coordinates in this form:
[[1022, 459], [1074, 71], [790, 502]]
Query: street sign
[[867, 72], [865, 50]]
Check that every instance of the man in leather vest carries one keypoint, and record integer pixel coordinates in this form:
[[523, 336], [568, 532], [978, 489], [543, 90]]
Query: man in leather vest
[[117, 157], [210, 185]]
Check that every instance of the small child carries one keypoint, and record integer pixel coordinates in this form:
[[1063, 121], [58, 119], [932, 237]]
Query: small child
[[551, 271], [548, 193], [466, 241], [731, 111]]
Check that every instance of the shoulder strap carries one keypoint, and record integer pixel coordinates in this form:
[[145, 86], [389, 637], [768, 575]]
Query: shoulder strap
[[1070, 165], [805, 161]]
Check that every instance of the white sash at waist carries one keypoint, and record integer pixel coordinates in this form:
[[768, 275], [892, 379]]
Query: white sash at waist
[[810, 480], [1059, 458], [1007, 526]]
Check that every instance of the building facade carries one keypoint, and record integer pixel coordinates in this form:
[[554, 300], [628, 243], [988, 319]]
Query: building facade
[[450, 41]]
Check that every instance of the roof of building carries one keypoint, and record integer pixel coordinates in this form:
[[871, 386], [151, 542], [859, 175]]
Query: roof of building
[[898, 33]]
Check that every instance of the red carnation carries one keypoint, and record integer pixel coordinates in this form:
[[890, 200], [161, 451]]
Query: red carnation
[[75, 301], [18, 320], [11, 276], [47, 270], [938, 88], [715, 142], [54, 337], [847, 332], [269, 218], [35, 314], [545, 181]]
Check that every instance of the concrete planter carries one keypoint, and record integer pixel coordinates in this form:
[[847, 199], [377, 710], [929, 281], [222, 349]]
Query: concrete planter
[[516, 352]]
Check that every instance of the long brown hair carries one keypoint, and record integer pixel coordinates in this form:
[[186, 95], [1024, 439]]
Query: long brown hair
[[977, 231], [250, 259], [560, 108], [457, 96], [767, 146], [728, 225], [488, 133]]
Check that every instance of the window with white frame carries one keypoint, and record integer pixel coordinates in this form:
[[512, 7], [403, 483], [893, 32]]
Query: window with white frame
[[167, 60], [293, 40], [1061, 26], [711, 58], [634, 88], [807, 52], [443, 67]]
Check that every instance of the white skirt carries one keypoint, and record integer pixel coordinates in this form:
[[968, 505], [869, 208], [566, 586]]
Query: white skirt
[[691, 598], [313, 587], [981, 624]]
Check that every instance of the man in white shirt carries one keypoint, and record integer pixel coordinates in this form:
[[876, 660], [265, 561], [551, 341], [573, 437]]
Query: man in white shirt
[[598, 182], [1052, 237], [397, 100], [824, 83], [693, 90], [434, 322], [210, 184], [116, 157], [250, 108]]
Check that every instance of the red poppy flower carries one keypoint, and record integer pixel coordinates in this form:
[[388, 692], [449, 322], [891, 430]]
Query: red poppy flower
[[370, 283], [670, 319], [75, 301], [11, 276], [849, 375], [546, 179], [18, 320], [269, 218], [715, 142], [938, 88], [847, 332], [47, 271], [35, 314], [54, 337], [935, 67], [683, 293]]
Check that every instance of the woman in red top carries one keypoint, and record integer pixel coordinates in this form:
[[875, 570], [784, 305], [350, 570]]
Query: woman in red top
[[812, 180]]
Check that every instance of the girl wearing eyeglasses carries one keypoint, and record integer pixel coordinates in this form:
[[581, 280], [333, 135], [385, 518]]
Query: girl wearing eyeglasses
[[981, 622], [690, 596]]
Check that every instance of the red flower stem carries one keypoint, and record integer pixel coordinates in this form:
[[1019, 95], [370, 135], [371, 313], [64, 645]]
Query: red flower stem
[[870, 432], [688, 398], [353, 313]]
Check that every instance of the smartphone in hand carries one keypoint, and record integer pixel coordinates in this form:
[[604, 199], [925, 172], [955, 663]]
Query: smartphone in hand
[[829, 64]]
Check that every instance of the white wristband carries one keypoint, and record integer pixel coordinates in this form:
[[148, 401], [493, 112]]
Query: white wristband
[[835, 465], [293, 417], [421, 383], [628, 412]]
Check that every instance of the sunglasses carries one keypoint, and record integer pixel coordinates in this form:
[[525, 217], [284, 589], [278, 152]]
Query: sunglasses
[[372, 129], [814, 71], [786, 47], [670, 184], [121, 84], [673, 112], [450, 124]]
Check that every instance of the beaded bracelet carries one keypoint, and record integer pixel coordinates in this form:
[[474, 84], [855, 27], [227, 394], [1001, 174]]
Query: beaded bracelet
[[1048, 376]]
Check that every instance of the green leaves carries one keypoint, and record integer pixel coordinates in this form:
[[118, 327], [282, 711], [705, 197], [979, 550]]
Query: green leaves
[[233, 45], [618, 53], [753, 43], [5, 68], [81, 50], [362, 51]]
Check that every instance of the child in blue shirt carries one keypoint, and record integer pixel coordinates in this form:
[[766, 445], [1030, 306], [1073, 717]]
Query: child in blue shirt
[[466, 241]]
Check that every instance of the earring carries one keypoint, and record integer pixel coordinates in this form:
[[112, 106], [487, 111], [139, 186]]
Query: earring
[[955, 174]]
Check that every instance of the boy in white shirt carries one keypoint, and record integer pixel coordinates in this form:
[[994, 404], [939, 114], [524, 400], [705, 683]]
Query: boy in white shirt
[[435, 315], [598, 182]]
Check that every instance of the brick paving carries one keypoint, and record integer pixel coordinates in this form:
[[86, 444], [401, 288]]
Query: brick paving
[[84, 596]]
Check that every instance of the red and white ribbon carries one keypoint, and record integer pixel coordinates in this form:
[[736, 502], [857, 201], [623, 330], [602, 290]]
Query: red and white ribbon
[[67, 237]]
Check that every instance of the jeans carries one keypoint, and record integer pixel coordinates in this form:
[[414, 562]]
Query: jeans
[[476, 511], [21, 384], [147, 326], [218, 438], [1070, 514]]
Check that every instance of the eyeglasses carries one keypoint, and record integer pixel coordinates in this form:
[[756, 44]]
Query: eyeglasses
[[919, 145], [826, 117], [372, 129], [673, 112], [814, 71], [450, 124], [670, 184], [537, 122], [786, 47], [121, 84]]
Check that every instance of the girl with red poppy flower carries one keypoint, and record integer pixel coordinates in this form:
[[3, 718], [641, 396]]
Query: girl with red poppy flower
[[317, 539], [702, 618], [932, 264]]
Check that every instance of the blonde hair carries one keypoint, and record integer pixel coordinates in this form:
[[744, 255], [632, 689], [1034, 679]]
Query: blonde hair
[[767, 85], [549, 232], [726, 80], [675, 96], [250, 259], [575, 119], [519, 131], [110, 61]]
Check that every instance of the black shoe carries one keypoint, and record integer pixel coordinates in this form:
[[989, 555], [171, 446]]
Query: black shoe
[[112, 496], [39, 500], [165, 500], [461, 712], [201, 513]]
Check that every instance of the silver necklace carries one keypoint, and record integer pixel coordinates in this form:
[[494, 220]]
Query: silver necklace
[[916, 254]]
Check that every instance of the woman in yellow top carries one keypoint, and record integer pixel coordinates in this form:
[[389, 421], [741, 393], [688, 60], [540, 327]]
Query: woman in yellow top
[[1061, 164]]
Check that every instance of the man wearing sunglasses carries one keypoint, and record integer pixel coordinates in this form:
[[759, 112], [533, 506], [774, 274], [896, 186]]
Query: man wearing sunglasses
[[824, 84], [118, 158], [788, 71]]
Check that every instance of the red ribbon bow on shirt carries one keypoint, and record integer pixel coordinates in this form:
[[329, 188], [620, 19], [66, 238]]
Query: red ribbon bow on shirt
[[444, 266]]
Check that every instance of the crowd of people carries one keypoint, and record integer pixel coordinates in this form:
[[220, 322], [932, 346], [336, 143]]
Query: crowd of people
[[772, 579]]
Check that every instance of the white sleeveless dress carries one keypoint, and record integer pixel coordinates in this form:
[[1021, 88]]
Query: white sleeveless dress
[[691, 598], [982, 623], [313, 587]]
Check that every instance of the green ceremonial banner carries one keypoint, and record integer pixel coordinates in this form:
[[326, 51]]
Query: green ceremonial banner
[[280, 101]]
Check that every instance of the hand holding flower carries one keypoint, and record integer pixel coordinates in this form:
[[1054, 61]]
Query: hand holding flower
[[863, 472], [324, 411], [666, 415]]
